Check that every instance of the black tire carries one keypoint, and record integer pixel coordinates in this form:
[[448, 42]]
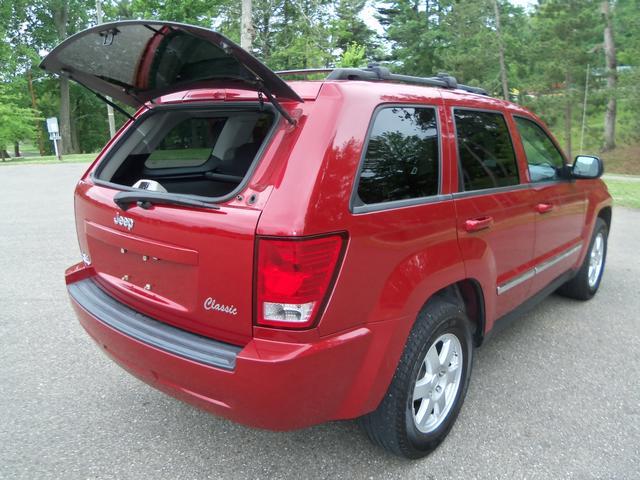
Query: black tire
[[578, 287], [392, 424]]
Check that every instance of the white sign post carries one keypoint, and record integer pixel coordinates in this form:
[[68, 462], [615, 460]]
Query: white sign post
[[54, 134]]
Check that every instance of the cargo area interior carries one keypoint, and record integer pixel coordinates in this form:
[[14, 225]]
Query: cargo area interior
[[197, 152]]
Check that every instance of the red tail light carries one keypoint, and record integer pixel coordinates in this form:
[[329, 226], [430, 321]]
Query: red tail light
[[293, 279]]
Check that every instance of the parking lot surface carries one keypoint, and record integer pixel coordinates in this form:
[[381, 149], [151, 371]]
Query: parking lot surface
[[555, 395]]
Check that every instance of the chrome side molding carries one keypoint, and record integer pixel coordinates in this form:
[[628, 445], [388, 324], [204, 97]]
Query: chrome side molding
[[541, 267]]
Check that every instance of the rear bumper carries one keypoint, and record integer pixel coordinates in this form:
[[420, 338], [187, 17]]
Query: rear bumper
[[95, 301], [265, 384]]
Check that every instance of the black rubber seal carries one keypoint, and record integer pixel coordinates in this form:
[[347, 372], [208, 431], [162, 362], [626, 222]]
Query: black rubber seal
[[116, 315]]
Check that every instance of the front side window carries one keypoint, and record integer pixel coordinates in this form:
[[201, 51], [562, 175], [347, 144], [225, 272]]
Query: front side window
[[402, 157], [486, 156], [544, 159]]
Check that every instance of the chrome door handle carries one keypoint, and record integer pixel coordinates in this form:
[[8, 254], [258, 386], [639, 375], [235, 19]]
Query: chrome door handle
[[544, 207], [477, 224]]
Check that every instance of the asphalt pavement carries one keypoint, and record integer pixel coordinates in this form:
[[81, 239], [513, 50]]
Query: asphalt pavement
[[555, 395]]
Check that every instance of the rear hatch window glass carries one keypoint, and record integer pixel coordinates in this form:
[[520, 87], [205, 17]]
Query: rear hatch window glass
[[135, 61]]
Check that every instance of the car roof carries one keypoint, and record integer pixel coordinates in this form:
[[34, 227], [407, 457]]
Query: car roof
[[387, 91]]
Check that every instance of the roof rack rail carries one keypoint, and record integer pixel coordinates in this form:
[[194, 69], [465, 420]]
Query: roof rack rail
[[376, 73], [304, 71]]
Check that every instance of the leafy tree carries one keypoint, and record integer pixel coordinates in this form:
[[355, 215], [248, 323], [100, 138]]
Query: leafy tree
[[302, 34], [41, 24], [627, 27], [503, 69], [196, 12], [353, 56], [458, 37], [546, 50], [564, 36], [16, 123], [627, 34], [609, 48], [469, 46], [265, 13], [348, 29], [412, 27]]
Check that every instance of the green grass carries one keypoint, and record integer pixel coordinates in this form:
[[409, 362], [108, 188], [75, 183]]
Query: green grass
[[191, 157], [71, 158], [625, 160], [28, 148], [625, 193], [160, 158]]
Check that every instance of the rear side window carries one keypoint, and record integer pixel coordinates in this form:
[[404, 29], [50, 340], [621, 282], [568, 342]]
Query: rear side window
[[402, 157], [544, 159], [188, 144], [485, 151]]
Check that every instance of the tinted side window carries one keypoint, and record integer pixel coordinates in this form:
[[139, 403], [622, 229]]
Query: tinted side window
[[402, 157], [543, 157], [485, 150]]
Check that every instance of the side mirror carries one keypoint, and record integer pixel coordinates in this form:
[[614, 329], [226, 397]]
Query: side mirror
[[587, 166]]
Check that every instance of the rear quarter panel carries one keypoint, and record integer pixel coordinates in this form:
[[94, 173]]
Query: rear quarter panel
[[395, 259]]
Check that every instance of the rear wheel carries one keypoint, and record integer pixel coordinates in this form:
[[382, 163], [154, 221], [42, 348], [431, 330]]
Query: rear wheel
[[429, 385], [587, 281]]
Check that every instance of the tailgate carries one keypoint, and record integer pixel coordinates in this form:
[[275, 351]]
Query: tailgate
[[191, 268]]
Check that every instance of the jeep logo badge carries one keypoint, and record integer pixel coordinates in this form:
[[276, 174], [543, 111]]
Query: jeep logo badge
[[123, 221]]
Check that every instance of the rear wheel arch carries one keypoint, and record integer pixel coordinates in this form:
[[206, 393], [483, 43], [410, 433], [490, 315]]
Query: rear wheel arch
[[467, 292], [395, 423]]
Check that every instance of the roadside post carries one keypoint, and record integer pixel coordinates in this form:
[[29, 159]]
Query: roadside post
[[54, 135]]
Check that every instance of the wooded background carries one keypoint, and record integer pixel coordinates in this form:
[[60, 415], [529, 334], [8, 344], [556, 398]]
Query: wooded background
[[541, 55]]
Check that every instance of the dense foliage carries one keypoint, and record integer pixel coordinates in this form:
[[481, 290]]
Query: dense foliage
[[547, 49]]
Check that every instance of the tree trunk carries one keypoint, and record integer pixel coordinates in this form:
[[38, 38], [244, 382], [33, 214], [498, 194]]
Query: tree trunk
[[503, 68], [246, 25], [612, 80], [34, 105], [286, 20], [74, 134], [266, 33], [16, 149], [60, 18], [65, 116], [568, 115]]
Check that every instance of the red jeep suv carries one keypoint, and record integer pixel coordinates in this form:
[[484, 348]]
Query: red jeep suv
[[288, 253]]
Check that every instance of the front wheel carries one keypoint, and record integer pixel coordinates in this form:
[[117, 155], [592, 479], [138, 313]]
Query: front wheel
[[429, 385], [586, 282]]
